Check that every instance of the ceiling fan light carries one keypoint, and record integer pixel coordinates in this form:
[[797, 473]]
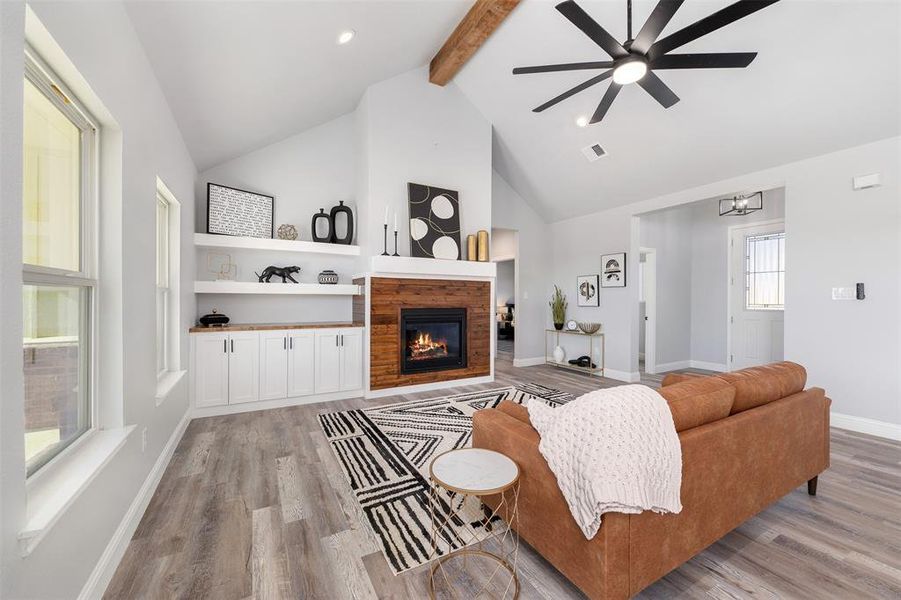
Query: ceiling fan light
[[630, 71], [346, 36]]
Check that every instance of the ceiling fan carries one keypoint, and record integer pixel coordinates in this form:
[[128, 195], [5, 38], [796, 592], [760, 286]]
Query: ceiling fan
[[636, 59]]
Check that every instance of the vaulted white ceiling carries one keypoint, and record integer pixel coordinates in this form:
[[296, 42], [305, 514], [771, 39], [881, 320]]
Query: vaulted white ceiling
[[241, 75], [826, 78]]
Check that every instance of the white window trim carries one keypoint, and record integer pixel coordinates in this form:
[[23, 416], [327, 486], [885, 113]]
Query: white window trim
[[45, 79], [169, 377]]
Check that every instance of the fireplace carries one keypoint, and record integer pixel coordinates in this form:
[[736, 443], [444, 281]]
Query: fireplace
[[432, 339]]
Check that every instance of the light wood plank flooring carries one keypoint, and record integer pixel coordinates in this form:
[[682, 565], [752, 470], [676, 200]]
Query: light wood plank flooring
[[255, 506]]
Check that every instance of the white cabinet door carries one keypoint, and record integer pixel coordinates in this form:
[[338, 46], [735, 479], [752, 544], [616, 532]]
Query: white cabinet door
[[351, 344], [273, 365], [210, 369], [243, 367], [301, 363], [328, 361]]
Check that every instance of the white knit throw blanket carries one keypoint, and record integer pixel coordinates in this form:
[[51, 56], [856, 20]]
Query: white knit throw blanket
[[612, 450]]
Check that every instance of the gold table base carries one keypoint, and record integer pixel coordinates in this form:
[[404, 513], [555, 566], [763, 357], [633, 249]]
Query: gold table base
[[502, 534]]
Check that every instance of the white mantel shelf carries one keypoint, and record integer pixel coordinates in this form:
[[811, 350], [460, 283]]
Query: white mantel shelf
[[431, 267], [208, 240], [251, 287]]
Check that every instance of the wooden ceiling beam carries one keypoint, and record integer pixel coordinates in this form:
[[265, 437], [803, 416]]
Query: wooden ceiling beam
[[477, 26]]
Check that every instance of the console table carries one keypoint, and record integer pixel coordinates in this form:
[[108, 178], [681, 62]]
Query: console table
[[591, 338]]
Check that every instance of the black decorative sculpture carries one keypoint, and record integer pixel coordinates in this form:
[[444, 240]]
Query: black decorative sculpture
[[349, 233], [283, 272], [329, 223]]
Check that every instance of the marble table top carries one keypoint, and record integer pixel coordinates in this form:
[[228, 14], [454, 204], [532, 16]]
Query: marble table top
[[474, 471]]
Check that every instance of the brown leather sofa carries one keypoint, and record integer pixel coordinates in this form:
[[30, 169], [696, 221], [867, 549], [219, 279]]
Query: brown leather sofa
[[748, 438]]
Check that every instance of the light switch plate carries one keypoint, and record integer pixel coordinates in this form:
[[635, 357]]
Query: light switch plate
[[844, 293]]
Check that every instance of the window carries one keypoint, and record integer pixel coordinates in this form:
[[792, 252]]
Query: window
[[765, 271], [59, 274], [162, 284], [168, 221]]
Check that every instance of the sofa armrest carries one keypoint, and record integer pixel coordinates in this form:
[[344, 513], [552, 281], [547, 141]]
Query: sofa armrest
[[598, 566], [671, 378]]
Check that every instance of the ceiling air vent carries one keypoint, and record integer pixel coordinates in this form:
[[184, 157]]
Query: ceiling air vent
[[593, 152]]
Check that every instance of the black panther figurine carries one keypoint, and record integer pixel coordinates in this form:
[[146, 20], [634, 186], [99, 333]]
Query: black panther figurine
[[283, 272]]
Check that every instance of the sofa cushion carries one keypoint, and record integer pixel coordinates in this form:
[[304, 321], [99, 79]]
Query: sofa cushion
[[517, 411], [698, 400], [671, 378], [757, 386]]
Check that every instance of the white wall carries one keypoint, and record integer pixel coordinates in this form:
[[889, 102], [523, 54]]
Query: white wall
[[669, 233], [117, 71], [533, 267], [503, 244], [305, 172], [838, 237], [422, 133]]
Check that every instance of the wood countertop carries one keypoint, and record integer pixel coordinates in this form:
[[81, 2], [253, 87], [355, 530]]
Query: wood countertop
[[268, 327]]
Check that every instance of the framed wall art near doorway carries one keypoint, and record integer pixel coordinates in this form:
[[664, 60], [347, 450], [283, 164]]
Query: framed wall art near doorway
[[613, 270]]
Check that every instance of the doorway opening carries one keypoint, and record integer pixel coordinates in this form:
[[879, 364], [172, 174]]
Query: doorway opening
[[647, 310], [505, 252]]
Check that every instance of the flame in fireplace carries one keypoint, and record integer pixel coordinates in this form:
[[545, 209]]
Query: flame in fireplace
[[423, 347]]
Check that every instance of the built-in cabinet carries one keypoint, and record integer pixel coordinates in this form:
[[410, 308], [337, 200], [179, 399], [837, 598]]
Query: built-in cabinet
[[339, 360], [250, 366]]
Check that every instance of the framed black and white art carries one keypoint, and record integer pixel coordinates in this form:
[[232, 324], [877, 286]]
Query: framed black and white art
[[587, 286], [613, 270], [434, 222], [230, 211]]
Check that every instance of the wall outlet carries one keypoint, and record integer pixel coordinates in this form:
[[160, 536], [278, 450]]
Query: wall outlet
[[844, 293], [144, 440]]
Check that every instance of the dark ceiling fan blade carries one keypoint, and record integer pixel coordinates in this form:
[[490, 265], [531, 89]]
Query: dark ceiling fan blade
[[719, 60], [659, 90], [590, 27], [719, 19], [579, 66], [606, 101], [660, 16], [571, 92]]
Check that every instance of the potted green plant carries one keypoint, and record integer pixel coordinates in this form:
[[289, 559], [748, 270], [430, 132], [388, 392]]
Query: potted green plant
[[558, 308]]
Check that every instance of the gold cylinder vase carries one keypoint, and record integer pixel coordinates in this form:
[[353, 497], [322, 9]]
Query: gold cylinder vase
[[483, 245], [471, 245]]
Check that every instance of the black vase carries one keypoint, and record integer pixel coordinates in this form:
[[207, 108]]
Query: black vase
[[349, 234], [329, 223]]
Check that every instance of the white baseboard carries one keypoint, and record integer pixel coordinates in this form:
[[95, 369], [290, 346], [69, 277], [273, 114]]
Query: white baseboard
[[891, 431], [672, 366], [708, 366], [428, 387], [626, 376], [231, 409], [528, 362], [105, 568]]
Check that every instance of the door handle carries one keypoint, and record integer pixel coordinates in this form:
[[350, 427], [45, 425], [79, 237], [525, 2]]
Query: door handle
[[225, 346], [336, 341], [342, 339], [233, 346], [291, 343], [284, 343]]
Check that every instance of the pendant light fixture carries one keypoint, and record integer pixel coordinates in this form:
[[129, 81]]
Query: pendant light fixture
[[742, 204]]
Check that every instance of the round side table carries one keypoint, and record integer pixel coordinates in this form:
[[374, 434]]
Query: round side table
[[458, 475]]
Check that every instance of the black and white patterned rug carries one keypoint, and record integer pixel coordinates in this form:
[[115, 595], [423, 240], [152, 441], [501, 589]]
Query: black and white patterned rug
[[385, 453]]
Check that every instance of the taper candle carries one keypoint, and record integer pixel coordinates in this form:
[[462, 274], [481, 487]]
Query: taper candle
[[395, 221], [386, 215]]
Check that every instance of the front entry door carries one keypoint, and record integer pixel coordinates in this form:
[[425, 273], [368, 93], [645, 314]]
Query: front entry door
[[757, 295]]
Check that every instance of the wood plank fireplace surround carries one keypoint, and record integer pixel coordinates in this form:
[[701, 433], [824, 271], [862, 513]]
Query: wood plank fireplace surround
[[462, 306]]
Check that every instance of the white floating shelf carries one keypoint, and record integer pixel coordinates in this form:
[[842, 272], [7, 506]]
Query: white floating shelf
[[251, 287], [208, 240], [406, 265]]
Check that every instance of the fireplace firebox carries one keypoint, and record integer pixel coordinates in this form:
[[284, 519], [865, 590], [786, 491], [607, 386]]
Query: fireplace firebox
[[432, 339]]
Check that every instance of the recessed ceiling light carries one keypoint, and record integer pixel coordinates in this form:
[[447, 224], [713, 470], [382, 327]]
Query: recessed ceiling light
[[582, 121], [345, 36]]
